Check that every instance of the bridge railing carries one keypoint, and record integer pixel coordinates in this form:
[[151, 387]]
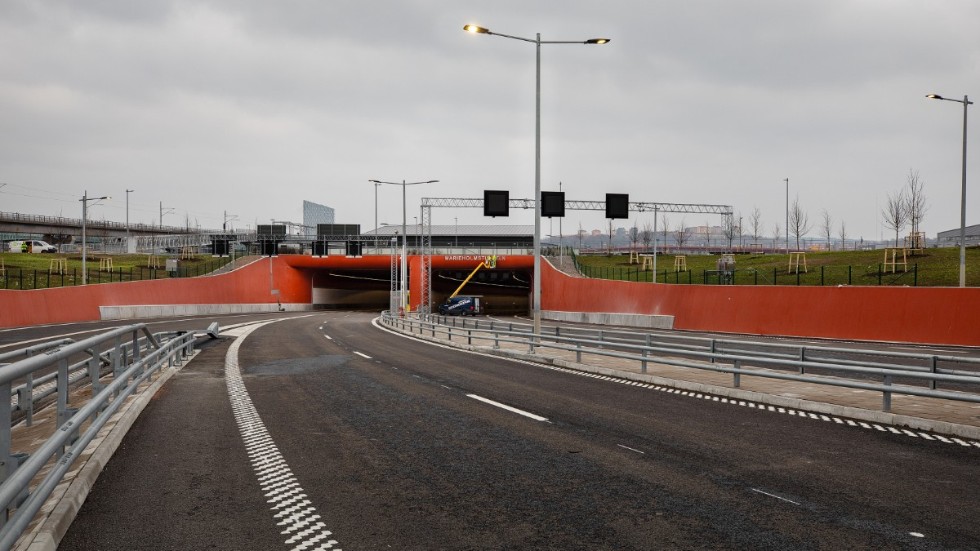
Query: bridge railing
[[901, 373], [131, 354]]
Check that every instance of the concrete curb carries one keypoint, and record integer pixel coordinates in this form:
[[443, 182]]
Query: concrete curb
[[48, 533], [858, 414]]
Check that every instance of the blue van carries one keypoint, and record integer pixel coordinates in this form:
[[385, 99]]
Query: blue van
[[461, 306]]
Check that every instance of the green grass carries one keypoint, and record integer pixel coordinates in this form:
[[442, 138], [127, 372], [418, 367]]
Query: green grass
[[928, 268], [37, 271]]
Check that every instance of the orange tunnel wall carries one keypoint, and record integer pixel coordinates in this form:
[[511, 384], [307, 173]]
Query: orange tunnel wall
[[938, 315], [251, 284]]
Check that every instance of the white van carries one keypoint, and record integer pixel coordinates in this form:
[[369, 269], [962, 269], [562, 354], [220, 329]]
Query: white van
[[32, 247]]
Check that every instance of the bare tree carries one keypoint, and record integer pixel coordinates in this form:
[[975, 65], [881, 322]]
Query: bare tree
[[634, 235], [827, 225], [843, 235], [581, 235], [646, 236], [896, 212], [729, 228], [799, 221], [777, 232], [755, 222], [680, 234], [915, 203], [665, 224]]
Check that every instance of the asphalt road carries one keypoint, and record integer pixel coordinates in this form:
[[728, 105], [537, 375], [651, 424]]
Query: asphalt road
[[394, 444]]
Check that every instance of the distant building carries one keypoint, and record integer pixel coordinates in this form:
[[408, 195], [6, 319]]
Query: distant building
[[951, 238], [314, 213]]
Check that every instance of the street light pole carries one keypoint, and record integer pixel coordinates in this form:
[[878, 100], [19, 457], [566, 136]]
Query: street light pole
[[536, 287], [85, 199], [966, 103], [403, 276], [376, 185], [787, 215], [128, 191]]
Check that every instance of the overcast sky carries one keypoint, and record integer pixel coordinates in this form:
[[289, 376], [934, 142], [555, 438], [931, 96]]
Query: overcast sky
[[249, 107]]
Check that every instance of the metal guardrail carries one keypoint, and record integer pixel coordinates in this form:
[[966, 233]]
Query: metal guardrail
[[132, 353], [810, 364]]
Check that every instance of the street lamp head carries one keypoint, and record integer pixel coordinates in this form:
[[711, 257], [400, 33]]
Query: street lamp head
[[476, 29], [597, 41], [934, 96]]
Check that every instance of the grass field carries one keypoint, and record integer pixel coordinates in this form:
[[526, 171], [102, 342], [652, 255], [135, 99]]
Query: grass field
[[928, 268], [38, 271]]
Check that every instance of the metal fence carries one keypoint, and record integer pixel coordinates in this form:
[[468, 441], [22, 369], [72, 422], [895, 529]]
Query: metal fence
[[818, 276], [114, 364], [898, 372]]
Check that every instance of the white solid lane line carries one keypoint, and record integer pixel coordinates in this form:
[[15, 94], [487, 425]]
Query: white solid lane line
[[508, 408], [363, 355]]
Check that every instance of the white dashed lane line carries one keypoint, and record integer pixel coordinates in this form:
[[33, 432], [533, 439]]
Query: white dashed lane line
[[294, 513], [773, 409], [363, 355], [508, 408]]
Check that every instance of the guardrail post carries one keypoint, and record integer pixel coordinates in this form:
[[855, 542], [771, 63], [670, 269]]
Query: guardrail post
[[714, 348], [643, 362], [886, 396], [62, 382], [496, 340], [601, 337], [802, 359], [737, 376], [25, 400], [934, 368], [94, 371], [449, 333], [5, 440], [578, 352], [469, 336], [137, 353]]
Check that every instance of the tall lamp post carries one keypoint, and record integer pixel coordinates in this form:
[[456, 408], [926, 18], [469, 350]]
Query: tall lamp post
[[376, 186], [966, 103], [128, 191], [536, 288], [787, 215], [85, 199], [403, 277]]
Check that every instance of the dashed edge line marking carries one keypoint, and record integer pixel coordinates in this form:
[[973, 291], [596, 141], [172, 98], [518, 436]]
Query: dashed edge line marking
[[285, 496]]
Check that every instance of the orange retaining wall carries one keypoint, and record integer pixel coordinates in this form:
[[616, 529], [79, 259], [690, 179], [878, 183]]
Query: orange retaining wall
[[937, 315], [250, 284]]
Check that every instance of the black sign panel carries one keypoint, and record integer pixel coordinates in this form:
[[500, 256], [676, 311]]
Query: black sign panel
[[617, 205], [496, 203], [271, 229], [337, 230], [552, 204]]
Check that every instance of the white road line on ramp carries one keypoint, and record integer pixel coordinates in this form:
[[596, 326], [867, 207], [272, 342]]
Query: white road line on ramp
[[293, 512], [363, 355], [775, 496], [508, 408]]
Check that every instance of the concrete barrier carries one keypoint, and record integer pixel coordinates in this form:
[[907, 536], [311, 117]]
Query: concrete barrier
[[644, 321], [146, 311]]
